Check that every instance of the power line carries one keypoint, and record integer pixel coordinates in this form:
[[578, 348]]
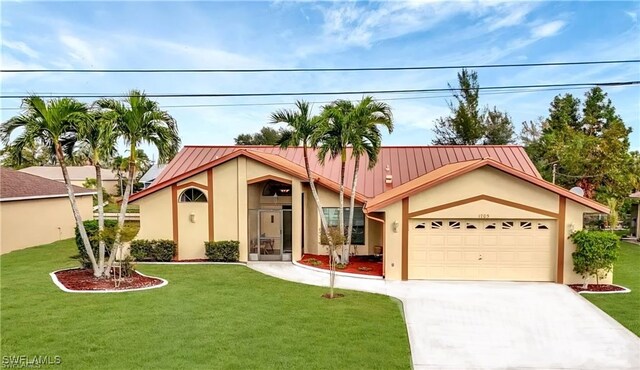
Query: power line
[[358, 69], [506, 92], [318, 93]]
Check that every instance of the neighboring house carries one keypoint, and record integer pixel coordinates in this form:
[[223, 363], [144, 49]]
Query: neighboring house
[[149, 176], [635, 215], [435, 212], [35, 210], [77, 174]]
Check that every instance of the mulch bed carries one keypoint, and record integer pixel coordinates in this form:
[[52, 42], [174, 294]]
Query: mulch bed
[[83, 279], [355, 263], [596, 288]]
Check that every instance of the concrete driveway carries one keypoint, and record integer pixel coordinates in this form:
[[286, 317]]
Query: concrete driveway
[[494, 325]]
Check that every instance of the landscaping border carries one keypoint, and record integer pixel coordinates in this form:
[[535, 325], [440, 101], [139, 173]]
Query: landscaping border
[[625, 290], [190, 263], [65, 289], [338, 273]]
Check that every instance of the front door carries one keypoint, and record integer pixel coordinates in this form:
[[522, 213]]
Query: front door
[[270, 237]]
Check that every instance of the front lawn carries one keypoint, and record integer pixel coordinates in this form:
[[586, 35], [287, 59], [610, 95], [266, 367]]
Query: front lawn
[[625, 308], [209, 316]]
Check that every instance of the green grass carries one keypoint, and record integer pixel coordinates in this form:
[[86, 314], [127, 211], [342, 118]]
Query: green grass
[[209, 316], [625, 308], [115, 208]]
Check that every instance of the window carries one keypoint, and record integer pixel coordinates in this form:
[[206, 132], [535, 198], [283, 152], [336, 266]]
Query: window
[[525, 225], [357, 235], [192, 195], [454, 224], [420, 226], [436, 224], [506, 225], [542, 226], [471, 226], [276, 188], [490, 226]]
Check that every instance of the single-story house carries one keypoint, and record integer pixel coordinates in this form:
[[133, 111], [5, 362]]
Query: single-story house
[[35, 210], [151, 174], [433, 212], [635, 215], [78, 175]]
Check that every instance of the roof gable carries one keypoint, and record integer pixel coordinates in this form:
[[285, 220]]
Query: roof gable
[[76, 173]]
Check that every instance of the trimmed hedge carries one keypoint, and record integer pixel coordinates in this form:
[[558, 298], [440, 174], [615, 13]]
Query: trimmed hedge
[[223, 251], [160, 250], [91, 226]]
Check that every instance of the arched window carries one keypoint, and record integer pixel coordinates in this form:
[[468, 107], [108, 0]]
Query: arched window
[[272, 188], [192, 195]]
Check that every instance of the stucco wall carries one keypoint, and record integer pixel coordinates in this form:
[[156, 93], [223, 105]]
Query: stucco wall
[[574, 221], [156, 220], [28, 223], [393, 242]]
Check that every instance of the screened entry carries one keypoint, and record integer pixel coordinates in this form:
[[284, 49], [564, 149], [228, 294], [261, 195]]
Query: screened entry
[[270, 234]]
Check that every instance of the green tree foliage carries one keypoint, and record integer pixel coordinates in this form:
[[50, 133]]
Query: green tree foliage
[[468, 123], [266, 136], [590, 147], [596, 252]]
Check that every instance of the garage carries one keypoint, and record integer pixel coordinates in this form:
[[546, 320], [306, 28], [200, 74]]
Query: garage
[[482, 249]]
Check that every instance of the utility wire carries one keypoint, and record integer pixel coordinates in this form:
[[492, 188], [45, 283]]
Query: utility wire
[[328, 102], [306, 93], [263, 70]]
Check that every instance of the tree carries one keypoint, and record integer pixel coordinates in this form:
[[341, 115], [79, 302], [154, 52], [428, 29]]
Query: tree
[[366, 140], [54, 125], [97, 141], [589, 149], [33, 154], [139, 120], [468, 124], [498, 128], [266, 136], [300, 130], [596, 252], [333, 136]]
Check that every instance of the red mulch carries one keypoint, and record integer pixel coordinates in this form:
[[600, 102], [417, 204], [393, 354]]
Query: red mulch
[[354, 263], [83, 279], [596, 288]]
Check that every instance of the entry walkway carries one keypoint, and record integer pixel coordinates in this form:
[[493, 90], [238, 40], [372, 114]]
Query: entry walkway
[[493, 325]]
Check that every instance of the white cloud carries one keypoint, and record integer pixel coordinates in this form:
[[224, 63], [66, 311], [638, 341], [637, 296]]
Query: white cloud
[[633, 16], [89, 54], [547, 29], [20, 47]]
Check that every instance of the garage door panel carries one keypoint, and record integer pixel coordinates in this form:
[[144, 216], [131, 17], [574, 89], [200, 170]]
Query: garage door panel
[[520, 250]]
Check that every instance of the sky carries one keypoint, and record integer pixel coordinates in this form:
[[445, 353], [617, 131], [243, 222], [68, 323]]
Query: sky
[[282, 34]]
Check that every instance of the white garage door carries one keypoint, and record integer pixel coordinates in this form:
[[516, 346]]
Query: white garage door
[[519, 250]]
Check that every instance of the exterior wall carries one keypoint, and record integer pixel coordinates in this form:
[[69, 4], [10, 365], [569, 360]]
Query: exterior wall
[[156, 220], [28, 223], [573, 222], [111, 186], [193, 226], [225, 195], [393, 242]]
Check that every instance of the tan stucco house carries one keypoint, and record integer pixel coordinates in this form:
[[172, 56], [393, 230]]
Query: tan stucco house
[[433, 212], [635, 215], [35, 210], [77, 174]]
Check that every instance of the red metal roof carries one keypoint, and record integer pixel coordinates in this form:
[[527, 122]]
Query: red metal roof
[[403, 163]]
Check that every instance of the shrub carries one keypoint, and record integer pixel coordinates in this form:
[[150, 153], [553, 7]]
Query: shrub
[[341, 266], [160, 250], [223, 251], [596, 251], [91, 226], [128, 266], [364, 268], [313, 262]]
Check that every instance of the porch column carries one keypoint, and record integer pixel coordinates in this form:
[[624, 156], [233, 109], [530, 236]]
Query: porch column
[[296, 219], [243, 211]]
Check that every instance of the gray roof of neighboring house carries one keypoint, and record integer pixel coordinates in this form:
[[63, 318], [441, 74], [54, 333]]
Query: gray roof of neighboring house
[[152, 173], [16, 185], [76, 173]]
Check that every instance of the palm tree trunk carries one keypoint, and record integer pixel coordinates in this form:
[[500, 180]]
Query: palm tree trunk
[[314, 191], [76, 212], [101, 246], [345, 248], [123, 209], [352, 203]]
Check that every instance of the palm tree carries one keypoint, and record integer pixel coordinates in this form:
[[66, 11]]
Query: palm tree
[[333, 136], [139, 120], [54, 125], [301, 127], [97, 141], [366, 139]]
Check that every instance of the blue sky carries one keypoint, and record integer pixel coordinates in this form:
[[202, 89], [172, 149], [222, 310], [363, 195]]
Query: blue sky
[[319, 34]]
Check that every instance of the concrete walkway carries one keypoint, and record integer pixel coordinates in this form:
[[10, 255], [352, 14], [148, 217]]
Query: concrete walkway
[[493, 325]]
